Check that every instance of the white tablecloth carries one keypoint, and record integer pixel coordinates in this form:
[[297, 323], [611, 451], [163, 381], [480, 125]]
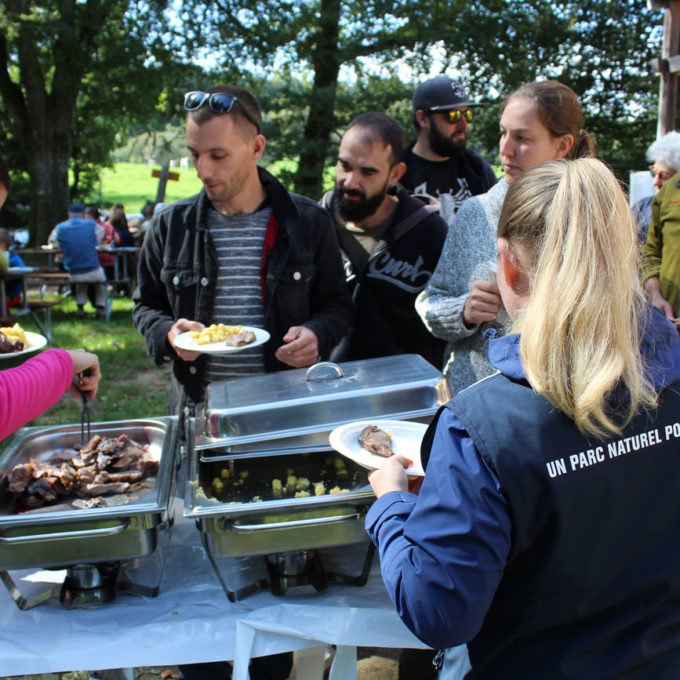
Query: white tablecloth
[[192, 620]]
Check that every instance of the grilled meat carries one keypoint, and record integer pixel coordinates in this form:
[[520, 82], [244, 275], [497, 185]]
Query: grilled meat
[[95, 502], [240, 339], [375, 440], [115, 477], [102, 467], [105, 489], [7, 346], [19, 477]]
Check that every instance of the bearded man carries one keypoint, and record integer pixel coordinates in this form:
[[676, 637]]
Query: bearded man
[[390, 242], [438, 162]]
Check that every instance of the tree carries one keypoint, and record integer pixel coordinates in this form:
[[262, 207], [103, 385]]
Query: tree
[[67, 70], [600, 48], [315, 38]]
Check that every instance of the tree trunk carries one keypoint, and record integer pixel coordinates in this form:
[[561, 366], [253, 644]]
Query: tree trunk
[[320, 120], [48, 169], [48, 147], [41, 106]]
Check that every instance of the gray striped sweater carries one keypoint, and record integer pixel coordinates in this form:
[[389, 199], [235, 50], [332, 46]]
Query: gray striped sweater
[[469, 253]]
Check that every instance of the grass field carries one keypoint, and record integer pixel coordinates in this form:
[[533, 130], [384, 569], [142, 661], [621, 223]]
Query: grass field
[[132, 185]]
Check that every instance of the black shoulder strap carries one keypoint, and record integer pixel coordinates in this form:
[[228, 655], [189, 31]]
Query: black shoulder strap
[[413, 219], [428, 439], [353, 250]]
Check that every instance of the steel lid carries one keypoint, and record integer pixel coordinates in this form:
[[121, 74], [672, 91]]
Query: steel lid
[[298, 402]]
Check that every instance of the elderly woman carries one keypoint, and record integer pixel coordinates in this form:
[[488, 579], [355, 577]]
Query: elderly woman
[[664, 156]]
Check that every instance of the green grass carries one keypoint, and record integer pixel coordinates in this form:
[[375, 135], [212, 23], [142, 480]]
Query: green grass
[[132, 185], [131, 386]]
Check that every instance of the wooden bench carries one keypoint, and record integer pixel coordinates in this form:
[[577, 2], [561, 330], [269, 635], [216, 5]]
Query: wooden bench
[[60, 279], [44, 279]]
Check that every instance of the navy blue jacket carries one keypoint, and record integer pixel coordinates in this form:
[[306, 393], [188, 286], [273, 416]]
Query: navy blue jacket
[[554, 556]]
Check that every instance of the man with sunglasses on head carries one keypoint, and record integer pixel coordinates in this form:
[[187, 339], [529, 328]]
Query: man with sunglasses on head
[[243, 251], [438, 162]]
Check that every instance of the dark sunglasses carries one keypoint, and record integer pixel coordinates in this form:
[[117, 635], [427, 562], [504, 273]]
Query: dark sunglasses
[[219, 102], [455, 115]]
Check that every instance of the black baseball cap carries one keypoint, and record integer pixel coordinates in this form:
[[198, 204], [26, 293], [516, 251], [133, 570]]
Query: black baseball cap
[[441, 94]]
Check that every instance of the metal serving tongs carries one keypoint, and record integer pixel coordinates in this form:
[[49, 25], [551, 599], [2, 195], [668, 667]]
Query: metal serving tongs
[[84, 411]]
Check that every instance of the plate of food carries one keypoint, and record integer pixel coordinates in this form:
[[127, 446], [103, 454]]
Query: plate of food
[[369, 442], [221, 339], [14, 341]]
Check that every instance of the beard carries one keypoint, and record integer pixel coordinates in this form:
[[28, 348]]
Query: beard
[[443, 145], [349, 210]]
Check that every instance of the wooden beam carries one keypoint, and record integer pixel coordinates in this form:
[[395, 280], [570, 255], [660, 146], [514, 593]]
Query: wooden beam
[[670, 65], [668, 85]]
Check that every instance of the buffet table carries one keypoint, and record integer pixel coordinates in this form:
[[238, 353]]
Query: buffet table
[[191, 620]]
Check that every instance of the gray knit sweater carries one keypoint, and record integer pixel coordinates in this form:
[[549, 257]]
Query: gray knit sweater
[[468, 255]]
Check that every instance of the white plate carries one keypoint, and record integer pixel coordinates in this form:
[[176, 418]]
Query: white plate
[[406, 438], [185, 341], [35, 341]]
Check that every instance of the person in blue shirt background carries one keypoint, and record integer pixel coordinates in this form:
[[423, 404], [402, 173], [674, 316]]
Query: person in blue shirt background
[[78, 242], [544, 532]]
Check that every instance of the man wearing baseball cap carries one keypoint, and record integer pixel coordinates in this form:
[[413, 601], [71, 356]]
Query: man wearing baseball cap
[[438, 162]]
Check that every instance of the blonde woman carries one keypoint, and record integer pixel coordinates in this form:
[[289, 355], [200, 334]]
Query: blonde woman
[[545, 531], [540, 121]]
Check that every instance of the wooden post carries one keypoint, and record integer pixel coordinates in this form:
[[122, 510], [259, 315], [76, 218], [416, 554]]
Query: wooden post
[[668, 85]]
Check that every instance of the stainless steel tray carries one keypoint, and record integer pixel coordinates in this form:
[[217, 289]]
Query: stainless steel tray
[[233, 524], [61, 534], [237, 500], [301, 402]]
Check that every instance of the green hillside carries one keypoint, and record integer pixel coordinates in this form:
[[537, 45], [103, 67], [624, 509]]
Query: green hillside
[[132, 185]]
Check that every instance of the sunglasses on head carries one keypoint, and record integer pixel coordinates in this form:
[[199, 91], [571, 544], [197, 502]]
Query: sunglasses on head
[[454, 115], [219, 103]]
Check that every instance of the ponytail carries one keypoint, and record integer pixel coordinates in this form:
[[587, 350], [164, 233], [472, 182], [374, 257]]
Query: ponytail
[[570, 228], [583, 147]]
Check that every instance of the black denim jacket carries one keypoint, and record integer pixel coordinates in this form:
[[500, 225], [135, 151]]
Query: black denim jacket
[[303, 278]]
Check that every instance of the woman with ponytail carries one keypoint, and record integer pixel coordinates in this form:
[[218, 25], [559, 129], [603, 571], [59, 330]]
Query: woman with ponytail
[[540, 121], [545, 530]]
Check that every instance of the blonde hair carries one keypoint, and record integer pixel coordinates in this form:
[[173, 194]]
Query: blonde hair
[[568, 225]]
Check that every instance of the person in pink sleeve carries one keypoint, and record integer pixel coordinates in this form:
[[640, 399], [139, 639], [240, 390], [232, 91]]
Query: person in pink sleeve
[[30, 389]]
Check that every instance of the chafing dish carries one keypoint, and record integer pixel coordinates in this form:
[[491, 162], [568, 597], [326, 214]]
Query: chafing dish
[[253, 431], [300, 405], [63, 535]]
